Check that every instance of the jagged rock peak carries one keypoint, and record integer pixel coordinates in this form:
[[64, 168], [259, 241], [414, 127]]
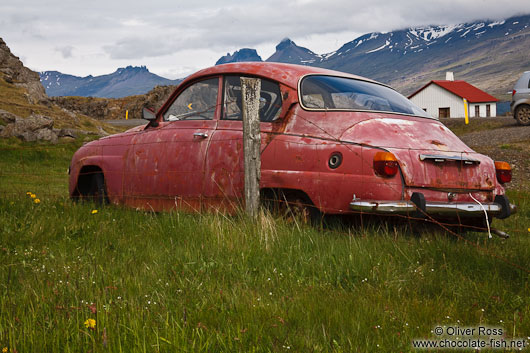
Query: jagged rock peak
[[286, 42], [245, 54], [131, 68]]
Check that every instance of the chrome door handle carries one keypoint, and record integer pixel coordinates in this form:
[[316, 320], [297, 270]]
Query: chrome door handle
[[200, 134]]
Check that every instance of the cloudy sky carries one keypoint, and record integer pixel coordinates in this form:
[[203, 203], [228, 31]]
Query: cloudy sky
[[174, 38]]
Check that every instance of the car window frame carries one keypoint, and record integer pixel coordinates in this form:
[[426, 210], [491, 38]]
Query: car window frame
[[278, 115], [163, 110], [300, 100]]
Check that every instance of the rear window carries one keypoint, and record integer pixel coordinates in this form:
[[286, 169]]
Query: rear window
[[523, 81], [341, 93]]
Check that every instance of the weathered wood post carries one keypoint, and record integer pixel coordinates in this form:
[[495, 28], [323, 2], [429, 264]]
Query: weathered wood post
[[251, 92]]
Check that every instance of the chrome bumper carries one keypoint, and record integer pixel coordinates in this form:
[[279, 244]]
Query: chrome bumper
[[442, 209]]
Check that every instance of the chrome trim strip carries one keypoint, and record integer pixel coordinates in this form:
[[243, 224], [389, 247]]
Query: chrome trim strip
[[442, 158]]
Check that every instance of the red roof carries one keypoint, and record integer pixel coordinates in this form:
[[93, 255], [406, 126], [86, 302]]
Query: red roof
[[463, 90]]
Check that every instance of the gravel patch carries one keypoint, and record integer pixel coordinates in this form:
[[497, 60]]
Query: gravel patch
[[502, 139], [497, 136]]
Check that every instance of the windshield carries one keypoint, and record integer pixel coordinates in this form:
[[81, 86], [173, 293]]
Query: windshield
[[340, 93]]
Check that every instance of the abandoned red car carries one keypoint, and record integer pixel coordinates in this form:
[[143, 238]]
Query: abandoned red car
[[333, 142]]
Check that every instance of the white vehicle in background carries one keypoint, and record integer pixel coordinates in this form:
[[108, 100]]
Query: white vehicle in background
[[520, 105]]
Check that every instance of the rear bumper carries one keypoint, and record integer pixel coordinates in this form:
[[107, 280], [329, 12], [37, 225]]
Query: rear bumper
[[420, 208]]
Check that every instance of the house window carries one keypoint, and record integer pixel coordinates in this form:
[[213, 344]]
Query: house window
[[444, 113], [488, 110], [477, 111]]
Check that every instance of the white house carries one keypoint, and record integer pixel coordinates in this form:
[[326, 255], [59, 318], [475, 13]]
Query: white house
[[448, 99]]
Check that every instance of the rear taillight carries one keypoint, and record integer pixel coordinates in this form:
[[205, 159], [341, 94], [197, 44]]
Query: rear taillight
[[385, 164], [504, 172], [514, 92]]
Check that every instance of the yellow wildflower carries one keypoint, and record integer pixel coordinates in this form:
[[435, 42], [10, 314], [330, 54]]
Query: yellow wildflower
[[29, 193], [90, 323], [94, 211], [4, 350], [36, 201], [33, 196]]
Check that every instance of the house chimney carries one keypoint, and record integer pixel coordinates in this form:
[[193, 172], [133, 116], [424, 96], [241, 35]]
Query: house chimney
[[449, 76]]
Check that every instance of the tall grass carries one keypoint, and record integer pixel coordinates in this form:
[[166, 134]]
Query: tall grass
[[177, 282]]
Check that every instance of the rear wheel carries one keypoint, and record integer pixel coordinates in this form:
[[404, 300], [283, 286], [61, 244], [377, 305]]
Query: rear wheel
[[522, 115], [292, 205]]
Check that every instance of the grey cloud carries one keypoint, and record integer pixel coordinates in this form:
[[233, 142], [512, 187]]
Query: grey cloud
[[138, 48], [66, 51], [168, 27], [251, 23]]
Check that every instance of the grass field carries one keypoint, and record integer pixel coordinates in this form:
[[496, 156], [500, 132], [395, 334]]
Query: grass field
[[175, 282]]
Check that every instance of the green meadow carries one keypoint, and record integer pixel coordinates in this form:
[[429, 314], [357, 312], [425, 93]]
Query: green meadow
[[78, 277]]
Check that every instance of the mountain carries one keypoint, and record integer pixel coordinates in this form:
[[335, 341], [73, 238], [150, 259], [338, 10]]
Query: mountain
[[488, 54], [244, 54], [123, 82], [288, 52]]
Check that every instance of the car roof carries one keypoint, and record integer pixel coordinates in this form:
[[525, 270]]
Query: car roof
[[288, 74]]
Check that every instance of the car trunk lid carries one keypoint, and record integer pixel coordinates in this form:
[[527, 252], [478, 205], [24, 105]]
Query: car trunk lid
[[429, 154]]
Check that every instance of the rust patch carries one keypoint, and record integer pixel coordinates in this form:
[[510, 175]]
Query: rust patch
[[437, 143], [279, 126]]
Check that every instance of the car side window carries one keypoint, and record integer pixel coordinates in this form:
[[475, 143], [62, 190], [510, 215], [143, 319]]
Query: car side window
[[270, 100], [197, 102]]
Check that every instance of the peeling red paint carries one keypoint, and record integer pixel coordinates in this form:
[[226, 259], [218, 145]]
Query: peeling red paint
[[170, 166]]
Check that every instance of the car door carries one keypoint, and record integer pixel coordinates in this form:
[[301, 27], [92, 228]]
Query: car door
[[224, 180], [167, 164]]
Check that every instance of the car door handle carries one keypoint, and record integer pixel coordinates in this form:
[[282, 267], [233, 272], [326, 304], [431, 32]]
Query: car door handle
[[200, 134]]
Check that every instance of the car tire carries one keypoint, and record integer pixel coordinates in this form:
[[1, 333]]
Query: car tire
[[291, 205], [98, 193], [298, 208], [522, 114]]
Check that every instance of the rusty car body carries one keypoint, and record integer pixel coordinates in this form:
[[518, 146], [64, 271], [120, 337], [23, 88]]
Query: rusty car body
[[340, 143]]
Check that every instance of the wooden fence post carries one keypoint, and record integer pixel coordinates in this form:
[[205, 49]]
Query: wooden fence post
[[251, 93]]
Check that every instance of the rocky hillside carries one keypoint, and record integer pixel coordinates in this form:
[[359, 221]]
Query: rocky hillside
[[123, 82], [13, 71], [26, 111], [105, 108]]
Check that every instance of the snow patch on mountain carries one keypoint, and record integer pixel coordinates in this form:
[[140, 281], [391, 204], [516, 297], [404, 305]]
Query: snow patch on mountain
[[432, 32], [387, 43]]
